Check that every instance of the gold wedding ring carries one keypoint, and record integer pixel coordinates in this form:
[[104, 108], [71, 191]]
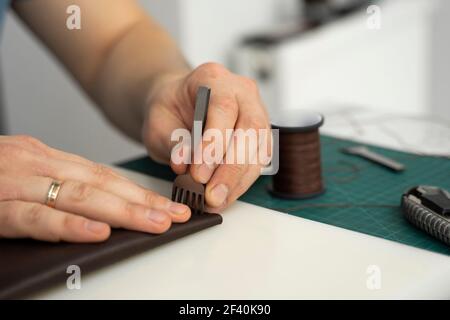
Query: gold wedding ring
[[52, 194]]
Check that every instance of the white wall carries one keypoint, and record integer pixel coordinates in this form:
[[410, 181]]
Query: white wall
[[439, 81], [348, 64], [212, 28]]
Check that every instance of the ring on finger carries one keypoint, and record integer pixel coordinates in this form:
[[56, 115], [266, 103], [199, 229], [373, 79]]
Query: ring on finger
[[52, 193]]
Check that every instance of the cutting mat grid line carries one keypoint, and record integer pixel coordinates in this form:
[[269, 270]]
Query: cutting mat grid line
[[359, 196]]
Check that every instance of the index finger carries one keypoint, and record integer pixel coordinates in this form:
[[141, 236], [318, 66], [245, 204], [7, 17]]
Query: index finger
[[222, 115]]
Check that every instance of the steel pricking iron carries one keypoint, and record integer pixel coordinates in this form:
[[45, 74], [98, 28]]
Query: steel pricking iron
[[185, 189]]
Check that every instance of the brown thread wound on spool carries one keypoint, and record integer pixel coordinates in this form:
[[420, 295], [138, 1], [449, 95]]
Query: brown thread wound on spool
[[300, 171]]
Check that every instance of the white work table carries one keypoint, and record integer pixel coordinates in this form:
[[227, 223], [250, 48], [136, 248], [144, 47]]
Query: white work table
[[261, 253]]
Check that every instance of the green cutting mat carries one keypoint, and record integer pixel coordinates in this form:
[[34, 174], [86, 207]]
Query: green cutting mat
[[360, 196]]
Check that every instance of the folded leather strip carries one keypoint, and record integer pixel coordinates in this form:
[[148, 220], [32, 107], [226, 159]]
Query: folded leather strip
[[27, 266]]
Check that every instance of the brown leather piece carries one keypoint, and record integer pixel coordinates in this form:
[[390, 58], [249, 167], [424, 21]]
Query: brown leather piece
[[27, 266]]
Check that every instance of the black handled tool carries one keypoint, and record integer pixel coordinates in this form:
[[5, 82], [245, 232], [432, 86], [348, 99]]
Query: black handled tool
[[429, 209]]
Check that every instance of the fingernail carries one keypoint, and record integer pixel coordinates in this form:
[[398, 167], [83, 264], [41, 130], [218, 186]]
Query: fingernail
[[204, 172], [178, 208], [95, 227], [219, 194], [156, 216]]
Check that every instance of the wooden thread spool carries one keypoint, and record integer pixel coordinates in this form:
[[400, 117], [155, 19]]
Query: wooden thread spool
[[300, 171]]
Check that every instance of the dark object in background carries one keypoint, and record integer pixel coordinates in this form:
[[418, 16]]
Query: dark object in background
[[323, 11], [300, 172], [28, 266], [428, 208], [316, 13]]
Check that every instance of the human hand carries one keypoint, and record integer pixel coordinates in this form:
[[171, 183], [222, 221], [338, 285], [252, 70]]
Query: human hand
[[235, 104], [92, 197]]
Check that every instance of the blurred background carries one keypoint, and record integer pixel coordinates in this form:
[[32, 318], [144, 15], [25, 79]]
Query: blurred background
[[327, 55]]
